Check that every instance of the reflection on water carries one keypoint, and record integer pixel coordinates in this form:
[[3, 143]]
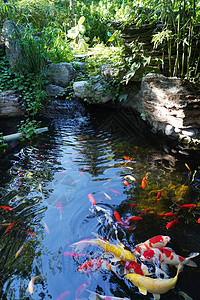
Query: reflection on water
[[104, 154]]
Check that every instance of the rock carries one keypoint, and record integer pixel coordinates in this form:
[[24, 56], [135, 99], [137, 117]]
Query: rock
[[61, 74], [173, 102], [53, 90], [95, 92], [9, 105], [108, 72], [10, 33], [79, 65]]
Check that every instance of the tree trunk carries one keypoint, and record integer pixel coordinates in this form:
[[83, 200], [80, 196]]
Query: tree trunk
[[71, 6]]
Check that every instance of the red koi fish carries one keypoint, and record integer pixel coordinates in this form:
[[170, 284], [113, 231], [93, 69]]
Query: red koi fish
[[188, 206], [198, 220], [157, 241], [145, 211], [91, 198], [117, 217], [73, 254], [143, 183], [30, 233], [132, 218], [93, 265], [114, 191], [6, 208], [158, 196], [10, 226], [133, 204], [166, 215], [120, 222], [126, 158], [133, 267], [81, 288], [167, 256], [126, 182], [63, 295], [81, 172], [172, 223]]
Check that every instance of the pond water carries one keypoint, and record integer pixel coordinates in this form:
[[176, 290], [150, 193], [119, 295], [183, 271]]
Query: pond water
[[93, 155]]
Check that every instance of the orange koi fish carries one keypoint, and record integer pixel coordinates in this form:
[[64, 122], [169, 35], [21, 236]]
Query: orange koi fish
[[158, 196], [126, 182], [143, 183], [107, 196], [19, 251], [167, 256], [132, 218], [91, 198], [157, 241], [126, 158], [10, 226], [30, 233], [166, 215], [188, 206], [63, 295], [6, 208], [133, 204], [114, 191], [145, 211], [74, 254], [81, 172], [172, 223]]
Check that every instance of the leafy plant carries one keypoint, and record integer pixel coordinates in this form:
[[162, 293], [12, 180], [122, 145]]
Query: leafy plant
[[77, 35], [28, 129]]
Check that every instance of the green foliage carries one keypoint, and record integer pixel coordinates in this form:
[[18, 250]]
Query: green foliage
[[77, 35], [30, 87], [28, 129], [3, 145]]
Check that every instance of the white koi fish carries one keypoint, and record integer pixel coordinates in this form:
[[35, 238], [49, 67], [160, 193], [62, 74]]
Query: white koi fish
[[155, 286], [158, 241], [167, 256]]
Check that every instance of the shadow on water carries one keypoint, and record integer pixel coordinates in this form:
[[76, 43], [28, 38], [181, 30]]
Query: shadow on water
[[104, 153]]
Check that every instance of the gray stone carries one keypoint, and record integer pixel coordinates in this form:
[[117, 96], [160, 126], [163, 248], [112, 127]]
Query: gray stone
[[61, 74], [53, 90], [10, 33], [9, 105], [94, 92], [107, 72]]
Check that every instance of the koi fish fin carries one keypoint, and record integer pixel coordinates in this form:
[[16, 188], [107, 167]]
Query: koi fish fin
[[79, 246], [146, 270], [160, 273], [115, 259], [114, 270], [189, 262], [93, 295], [164, 267], [143, 291], [156, 296]]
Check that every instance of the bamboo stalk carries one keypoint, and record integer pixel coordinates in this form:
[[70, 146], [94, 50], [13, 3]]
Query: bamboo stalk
[[16, 136]]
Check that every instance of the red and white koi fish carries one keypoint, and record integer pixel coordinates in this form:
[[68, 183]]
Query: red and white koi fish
[[188, 206], [172, 223], [157, 241], [117, 251], [63, 295], [143, 183], [166, 215], [132, 267], [6, 208], [94, 296], [31, 283], [93, 265], [91, 198], [30, 233], [167, 256], [158, 196]]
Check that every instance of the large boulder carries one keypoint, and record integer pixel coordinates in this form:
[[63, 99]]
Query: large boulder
[[10, 34], [61, 74], [54, 90], [9, 105], [95, 92], [171, 105]]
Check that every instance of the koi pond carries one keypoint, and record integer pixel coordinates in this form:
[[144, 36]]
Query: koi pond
[[97, 173]]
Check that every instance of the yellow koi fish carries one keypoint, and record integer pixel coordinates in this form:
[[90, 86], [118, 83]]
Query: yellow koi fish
[[155, 286], [117, 250]]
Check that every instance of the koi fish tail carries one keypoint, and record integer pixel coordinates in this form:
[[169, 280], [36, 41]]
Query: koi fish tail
[[79, 246], [188, 260]]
